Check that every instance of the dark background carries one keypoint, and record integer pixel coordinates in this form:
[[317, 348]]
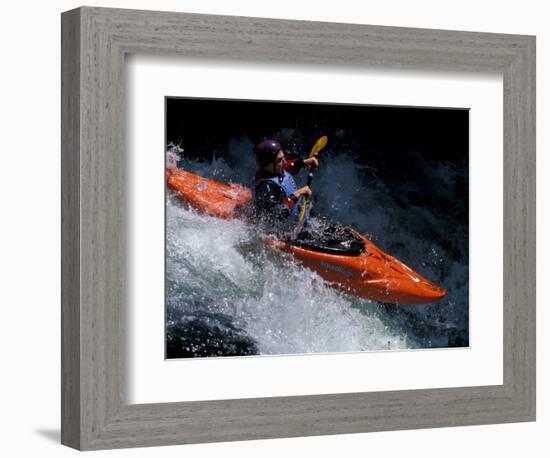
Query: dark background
[[383, 133]]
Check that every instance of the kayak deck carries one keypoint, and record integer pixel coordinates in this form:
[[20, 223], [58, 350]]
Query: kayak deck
[[209, 196], [372, 275]]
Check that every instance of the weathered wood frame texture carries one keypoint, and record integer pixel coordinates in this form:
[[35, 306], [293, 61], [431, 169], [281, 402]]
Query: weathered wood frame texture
[[95, 41]]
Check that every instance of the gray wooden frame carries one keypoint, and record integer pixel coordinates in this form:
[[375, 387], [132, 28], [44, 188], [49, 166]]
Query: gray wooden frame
[[95, 413]]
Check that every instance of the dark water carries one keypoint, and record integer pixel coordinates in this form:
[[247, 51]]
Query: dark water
[[227, 296]]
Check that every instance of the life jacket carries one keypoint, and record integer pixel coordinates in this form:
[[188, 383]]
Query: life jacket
[[288, 185]]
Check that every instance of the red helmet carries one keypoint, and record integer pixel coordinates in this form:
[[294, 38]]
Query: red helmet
[[266, 151]]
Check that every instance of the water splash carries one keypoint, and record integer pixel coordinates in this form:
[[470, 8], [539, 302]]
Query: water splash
[[237, 291]]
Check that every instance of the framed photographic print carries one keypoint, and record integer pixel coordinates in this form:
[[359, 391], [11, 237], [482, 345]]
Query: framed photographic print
[[318, 218]]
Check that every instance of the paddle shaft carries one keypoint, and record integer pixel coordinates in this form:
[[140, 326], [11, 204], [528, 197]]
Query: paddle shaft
[[304, 199]]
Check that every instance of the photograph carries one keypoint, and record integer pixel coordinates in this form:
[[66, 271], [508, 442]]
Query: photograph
[[299, 227]]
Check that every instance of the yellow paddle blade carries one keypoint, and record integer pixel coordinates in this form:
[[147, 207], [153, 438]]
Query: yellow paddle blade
[[319, 145]]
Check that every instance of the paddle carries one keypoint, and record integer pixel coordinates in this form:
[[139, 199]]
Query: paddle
[[317, 147]]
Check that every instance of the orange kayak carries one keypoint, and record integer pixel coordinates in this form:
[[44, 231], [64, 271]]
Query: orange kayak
[[372, 274]]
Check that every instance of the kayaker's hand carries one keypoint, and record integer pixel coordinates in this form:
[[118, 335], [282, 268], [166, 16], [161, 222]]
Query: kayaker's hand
[[305, 190], [312, 162]]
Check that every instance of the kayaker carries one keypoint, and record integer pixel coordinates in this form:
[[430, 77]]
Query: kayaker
[[276, 195]]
